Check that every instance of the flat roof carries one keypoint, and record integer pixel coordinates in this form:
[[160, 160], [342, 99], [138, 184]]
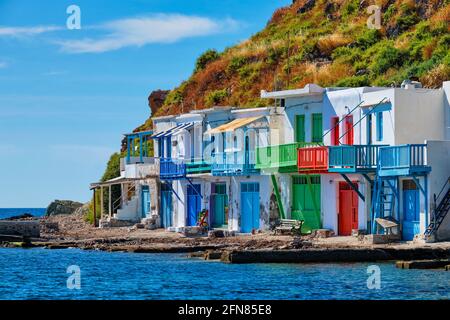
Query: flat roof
[[213, 109], [309, 89], [161, 118]]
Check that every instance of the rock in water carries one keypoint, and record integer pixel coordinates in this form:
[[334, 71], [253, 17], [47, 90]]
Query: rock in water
[[24, 216], [62, 207]]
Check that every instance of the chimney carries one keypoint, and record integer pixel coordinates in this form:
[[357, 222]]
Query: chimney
[[409, 84]]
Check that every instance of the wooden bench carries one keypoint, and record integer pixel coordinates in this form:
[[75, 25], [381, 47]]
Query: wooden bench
[[289, 226]]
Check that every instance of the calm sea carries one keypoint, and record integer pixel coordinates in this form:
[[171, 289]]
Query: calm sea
[[11, 212], [41, 274]]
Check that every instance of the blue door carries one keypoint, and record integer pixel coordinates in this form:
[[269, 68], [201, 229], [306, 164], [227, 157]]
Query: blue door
[[250, 206], [194, 204], [145, 196], [411, 210], [166, 205]]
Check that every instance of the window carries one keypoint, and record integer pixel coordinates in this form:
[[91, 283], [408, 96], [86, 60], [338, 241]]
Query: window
[[317, 131], [335, 131], [379, 126]]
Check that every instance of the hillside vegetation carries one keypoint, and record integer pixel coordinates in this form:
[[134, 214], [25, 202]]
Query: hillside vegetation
[[322, 42]]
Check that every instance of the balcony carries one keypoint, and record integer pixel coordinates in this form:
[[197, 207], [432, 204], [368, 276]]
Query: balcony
[[234, 163], [172, 169], [198, 166], [403, 160], [313, 160], [282, 157], [353, 159]]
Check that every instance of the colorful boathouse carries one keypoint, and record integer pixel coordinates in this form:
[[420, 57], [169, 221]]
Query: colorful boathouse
[[352, 160]]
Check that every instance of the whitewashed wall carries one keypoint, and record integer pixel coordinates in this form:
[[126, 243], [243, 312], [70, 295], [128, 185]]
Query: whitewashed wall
[[446, 89], [300, 106], [235, 200], [330, 200], [419, 115], [438, 157]]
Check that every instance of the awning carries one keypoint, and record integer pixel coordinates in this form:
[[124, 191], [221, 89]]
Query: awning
[[173, 131], [233, 125], [374, 102], [111, 182]]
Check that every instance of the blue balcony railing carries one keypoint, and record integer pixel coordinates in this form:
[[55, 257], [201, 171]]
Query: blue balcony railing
[[356, 158], [403, 160], [172, 169], [234, 163]]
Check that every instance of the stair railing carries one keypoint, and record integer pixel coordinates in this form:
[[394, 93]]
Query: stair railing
[[120, 201], [437, 200]]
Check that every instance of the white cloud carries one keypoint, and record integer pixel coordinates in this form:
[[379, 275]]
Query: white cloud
[[54, 73], [138, 32], [26, 31]]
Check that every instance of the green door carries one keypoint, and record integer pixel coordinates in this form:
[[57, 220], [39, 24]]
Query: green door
[[317, 131], [300, 128], [306, 201], [220, 205]]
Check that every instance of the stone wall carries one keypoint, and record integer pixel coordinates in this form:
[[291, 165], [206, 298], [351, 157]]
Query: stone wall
[[20, 228]]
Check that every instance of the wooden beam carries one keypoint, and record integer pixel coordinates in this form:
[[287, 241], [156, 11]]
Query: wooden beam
[[355, 188], [95, 209], [101, 203], [110, 203]]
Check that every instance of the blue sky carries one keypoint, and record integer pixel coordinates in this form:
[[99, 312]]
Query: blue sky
[[67, 96]]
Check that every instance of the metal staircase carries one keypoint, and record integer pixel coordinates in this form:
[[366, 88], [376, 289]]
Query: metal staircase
[[384, 198], [440, 211]]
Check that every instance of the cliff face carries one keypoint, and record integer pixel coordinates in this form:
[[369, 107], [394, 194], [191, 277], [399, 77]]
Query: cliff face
[[323, 42], [156, 100]]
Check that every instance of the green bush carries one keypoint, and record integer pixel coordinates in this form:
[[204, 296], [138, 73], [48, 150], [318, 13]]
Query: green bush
[[207, 57], [176, 96], [407, 19], [355, 81], [387, 57], [350, 8], [112, 171], [216, 97], [236, 63], [390, 11], [367, 38]]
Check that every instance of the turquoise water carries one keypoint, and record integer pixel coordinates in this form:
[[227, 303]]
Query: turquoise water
[[41, 274], [11, 212]]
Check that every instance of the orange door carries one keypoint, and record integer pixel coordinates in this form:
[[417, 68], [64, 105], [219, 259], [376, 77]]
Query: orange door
[[348, 210]]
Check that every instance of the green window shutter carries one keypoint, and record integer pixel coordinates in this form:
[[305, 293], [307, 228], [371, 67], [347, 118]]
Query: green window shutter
[[317, 130], [300, 128]]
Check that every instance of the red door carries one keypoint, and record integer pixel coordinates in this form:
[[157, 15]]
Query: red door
[[348, 209], [335, 131], [349, 130]]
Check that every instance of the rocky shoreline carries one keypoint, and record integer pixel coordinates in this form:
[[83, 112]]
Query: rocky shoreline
[[72, 231]]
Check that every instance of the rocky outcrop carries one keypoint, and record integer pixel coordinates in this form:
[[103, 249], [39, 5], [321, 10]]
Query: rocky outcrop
[[83, 210], [58, 207], [156, 99]]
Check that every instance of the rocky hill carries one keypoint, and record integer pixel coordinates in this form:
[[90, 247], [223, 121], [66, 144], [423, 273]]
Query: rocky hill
[[323, 42]]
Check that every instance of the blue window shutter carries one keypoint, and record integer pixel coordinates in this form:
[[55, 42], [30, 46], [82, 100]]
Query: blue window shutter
[[379, 126]]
